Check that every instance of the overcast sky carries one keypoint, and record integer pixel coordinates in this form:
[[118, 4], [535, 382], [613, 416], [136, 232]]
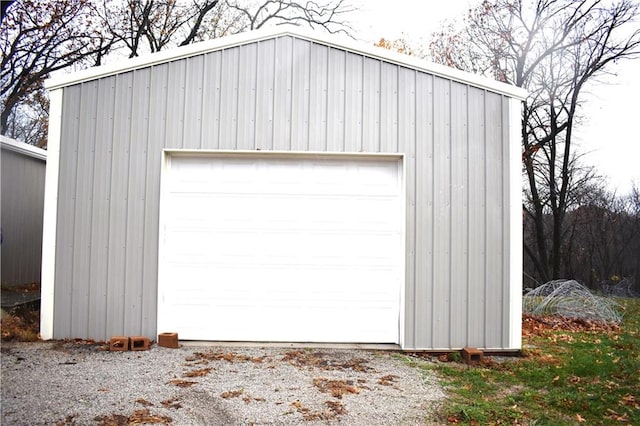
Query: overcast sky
[[610, 136]]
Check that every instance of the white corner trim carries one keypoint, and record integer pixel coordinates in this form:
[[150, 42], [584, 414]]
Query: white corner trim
[[331, 40], [47, 292], [23, 148], [402, 179], [515, 224], [165, 169]]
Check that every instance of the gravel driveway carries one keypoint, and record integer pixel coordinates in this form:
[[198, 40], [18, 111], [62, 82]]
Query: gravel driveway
[[74, 383]]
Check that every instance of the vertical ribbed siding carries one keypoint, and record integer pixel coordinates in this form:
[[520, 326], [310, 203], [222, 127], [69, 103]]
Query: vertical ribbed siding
[[458, 298], [476, 275], [22, 204], [285, 94], [422, 320]]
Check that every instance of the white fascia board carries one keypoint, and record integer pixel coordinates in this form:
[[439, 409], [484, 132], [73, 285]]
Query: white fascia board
[[23, 148], [49, 231], [331, 40], [515, 225]]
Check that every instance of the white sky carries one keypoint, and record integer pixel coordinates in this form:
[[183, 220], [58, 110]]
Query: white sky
[[609, 136]]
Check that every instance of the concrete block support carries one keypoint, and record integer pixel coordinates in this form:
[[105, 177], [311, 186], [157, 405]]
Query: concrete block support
[[119, 343], [470, 355], [139, 343], [168, 340]]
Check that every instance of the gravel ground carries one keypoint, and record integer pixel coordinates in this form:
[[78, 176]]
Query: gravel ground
[[73, 383]]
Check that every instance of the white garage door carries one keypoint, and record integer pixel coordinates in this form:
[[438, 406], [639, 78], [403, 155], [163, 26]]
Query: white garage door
[[299, 249]]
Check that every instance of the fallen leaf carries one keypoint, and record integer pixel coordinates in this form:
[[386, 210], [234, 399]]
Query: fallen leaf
[[144, 402], [387, 380], [171, 403], [198, 373], [232, 394], [336, 388], [182, 383], [630, 401]]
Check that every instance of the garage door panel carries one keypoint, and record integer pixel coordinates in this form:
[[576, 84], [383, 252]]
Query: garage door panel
[[281, 249]]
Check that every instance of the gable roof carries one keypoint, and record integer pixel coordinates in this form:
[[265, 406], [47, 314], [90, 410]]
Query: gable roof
[[334, 41]]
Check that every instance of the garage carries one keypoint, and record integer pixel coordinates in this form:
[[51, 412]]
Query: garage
[[284, 185], [274, 247]]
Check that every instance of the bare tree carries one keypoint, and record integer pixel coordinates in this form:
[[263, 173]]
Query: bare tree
[[555, 49], [39, 38], [329, 15], [153, 25], [36, 39]]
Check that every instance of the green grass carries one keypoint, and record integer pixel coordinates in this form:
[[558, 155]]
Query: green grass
[[564, 377]]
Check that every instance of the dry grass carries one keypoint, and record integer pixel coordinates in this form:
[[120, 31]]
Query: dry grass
[[22, 324]]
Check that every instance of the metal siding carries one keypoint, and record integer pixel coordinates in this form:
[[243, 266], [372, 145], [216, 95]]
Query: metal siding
[[229, 99], [459, 217], [246, 117], [301, 67], [371, 105], [495, 220], [353, 103], [318, 98], [282, 94], [264, 95], [192, 113], [135, 197], [63, 300], [336, 100], [285, 94], [407, 113], [476, 244], [81, 277], [101, 188], [118, 205], [174, 122], [211, 105], [388, 108], [22, 200], [153, 157], [421, 321], [442, 213], [507, 285]]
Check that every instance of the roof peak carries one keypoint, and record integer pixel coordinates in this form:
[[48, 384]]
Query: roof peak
[[338, 41]]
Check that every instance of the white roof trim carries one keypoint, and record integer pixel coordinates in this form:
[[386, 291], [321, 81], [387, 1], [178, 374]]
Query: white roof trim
[[23, 148], [339, 42]]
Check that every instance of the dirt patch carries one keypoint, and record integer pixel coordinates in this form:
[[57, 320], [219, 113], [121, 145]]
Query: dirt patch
[[321, 361], [224, 356]]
